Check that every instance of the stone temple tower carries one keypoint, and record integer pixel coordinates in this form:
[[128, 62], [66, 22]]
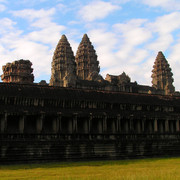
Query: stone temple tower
[[19, 71], [63, 71], [86, 60], [161, 75]]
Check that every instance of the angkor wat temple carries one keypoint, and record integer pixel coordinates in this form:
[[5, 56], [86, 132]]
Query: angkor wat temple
[[81, 115]]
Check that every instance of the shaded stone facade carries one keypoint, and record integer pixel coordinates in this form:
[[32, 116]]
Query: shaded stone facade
[[55, 123], [80, 115], [18, 72]]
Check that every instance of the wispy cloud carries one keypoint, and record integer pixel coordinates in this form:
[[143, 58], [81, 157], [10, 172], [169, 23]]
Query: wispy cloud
[[170, 5], [36, 45], [97, 10], [32, 14]]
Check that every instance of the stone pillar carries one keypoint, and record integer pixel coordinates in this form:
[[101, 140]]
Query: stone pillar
[[150, 126], [90, 122], [86, 122], [155, 125], [100, 126], [21, 124], [55, 124], [118, 126], [143, 121], [105, 123], [161, 126], [4, 123], [126, 125], [59, 119], [131, 120], [167, 125], [74, 123], [39, 123], [113, 126], [177, 125], [138, 126], [70, 125]]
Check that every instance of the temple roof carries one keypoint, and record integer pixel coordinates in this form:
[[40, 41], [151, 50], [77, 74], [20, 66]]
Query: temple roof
[[51, 92]]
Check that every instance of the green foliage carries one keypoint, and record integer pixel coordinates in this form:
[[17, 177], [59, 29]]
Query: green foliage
[[145, 169]]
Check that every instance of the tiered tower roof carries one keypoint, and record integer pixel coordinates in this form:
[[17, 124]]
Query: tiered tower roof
[[86, 59], [63, 64], [161, 75]]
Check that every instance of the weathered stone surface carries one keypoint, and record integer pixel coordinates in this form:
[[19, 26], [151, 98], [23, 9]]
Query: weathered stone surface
[[84, 71], [118, 80], [46, 123], [18, 72], [161, 75], [43, 83], [86, 61], [63, 65]]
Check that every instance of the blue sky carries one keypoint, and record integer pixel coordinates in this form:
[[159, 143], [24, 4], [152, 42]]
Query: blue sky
[[126, 34]]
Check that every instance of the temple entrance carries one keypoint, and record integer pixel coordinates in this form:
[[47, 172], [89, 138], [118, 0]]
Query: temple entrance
[[13, 124], [172, 126], [47, 124], [96, 125], [30, 124], [161, 126], [111, 124], [66, 124], [82, 124], [125, 125]]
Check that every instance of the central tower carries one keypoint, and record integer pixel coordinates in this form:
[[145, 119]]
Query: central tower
[[86, 60], [63, 65]]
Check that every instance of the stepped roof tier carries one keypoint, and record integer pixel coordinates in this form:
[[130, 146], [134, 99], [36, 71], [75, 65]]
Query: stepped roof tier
[[161, 75], [86, 60], [63, 64]]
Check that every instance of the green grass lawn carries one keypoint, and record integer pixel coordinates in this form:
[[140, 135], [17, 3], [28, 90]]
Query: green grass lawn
[[145, 169]]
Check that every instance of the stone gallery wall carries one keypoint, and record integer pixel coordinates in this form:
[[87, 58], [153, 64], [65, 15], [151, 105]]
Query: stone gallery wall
[[53, 123]]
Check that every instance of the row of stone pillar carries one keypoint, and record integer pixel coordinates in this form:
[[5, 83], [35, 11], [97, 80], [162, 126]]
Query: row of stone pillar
[[93, 124]]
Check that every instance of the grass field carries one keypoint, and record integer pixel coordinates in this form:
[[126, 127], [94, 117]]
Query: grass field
[[146, 169]]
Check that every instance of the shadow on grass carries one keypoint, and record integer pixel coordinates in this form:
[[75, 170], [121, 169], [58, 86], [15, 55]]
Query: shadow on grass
[[80, 163]]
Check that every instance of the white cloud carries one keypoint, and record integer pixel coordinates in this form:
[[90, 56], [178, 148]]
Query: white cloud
[[133, 33], [133, 46], [163, 27], [37, 45], [174, 60], [166, 24], [6, 25], [97, 10], [162, 43], [32, 14], [165, 4], [39, 54], [105, 43]]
